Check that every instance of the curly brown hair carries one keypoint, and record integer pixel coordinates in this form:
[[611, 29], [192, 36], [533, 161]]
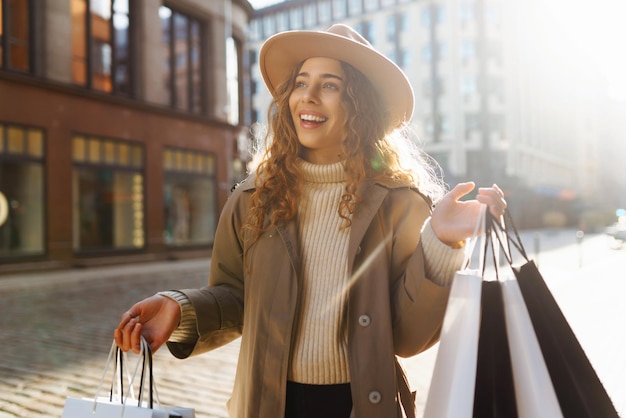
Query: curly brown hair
[[369, 151]]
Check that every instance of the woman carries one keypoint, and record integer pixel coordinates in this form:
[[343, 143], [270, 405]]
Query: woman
[[329, 250]]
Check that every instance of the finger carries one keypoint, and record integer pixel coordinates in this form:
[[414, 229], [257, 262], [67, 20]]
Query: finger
[[125, 335], [498, 189], [461, 190], [117, 337], [135, 337], [494, 200], [126, 317]]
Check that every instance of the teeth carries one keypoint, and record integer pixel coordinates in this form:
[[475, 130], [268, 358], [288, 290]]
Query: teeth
[[312, 118]]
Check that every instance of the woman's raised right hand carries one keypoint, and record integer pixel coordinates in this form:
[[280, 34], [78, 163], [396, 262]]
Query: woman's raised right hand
[[155, 318]]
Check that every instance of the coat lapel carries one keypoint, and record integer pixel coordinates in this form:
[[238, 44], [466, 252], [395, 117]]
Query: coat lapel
[[373, 196]]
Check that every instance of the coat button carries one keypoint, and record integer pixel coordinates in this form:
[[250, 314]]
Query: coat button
[[358, 249], [375, 397], [365, 320]]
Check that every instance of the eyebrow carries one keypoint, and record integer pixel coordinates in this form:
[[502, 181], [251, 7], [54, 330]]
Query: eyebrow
[[324, 76]]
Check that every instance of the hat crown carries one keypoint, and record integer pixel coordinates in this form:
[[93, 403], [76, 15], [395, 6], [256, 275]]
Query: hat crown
[[348, 33]]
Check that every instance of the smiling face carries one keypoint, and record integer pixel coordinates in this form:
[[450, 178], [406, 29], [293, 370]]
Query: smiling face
[[317, 109]]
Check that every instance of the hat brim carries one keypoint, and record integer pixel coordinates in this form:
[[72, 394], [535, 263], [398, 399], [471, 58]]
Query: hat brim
[[283, 51]]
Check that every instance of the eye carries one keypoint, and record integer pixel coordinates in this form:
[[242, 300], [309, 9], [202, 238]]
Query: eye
[[331, 86], [300, 84]]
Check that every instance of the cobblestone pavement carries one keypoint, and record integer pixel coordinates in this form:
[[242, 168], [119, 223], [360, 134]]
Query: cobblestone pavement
[[56, 338], [56, 329]]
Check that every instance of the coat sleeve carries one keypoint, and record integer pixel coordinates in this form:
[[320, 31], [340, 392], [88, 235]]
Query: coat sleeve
[[219, 306], [418, 303]]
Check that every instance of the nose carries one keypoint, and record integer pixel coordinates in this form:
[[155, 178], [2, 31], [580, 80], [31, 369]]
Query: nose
[[310, 94]]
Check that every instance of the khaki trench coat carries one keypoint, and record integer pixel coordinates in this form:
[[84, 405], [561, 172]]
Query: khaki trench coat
[[393, 308]]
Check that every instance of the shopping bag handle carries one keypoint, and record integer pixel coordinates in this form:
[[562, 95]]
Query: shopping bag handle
[[145, 360], [503, 236], [480, 232]]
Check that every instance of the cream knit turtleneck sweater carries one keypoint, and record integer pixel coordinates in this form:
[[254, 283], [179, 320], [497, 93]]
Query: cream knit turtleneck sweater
[[320, 352]]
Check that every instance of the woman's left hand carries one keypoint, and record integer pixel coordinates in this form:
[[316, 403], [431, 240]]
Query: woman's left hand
[[454, 221]]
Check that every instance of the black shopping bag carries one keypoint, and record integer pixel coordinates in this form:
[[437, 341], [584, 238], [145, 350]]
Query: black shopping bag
[[494, 393], [579, 390]]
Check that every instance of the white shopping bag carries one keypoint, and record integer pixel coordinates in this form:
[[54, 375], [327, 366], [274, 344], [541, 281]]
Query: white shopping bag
[[451, 392], [534, 392], [104, 408], [120, 405]]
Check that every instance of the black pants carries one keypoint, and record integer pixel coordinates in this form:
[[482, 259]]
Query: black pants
[[318, 401]]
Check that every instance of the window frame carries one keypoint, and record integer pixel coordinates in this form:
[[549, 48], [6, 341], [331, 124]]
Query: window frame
[[90, 63], [203, 70], [6, 38]]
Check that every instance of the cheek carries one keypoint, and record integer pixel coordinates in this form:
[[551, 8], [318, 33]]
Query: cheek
[[293, 100]]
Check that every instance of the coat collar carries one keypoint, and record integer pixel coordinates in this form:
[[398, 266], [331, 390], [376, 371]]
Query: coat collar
[[248, 183]]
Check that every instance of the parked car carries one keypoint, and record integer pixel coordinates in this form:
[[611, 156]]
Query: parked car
[[617, 231]]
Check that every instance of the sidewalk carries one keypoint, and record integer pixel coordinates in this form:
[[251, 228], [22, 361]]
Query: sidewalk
[[21, 281]]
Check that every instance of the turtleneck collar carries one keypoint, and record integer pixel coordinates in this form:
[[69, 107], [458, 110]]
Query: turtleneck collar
[[322, 173]]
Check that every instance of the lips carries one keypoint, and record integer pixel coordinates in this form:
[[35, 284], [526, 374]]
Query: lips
[[311, 120]]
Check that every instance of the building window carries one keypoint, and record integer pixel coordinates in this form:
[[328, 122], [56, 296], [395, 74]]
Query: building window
[[269, 25], [391, 28], [468, 50], [340, 9], [185, 70], [189, 192], [427, 53], [310, 15], [467, 12], [404, 58], [371, 5], [355, 7], [254, 30], [102, 45], [232, 80], [426, 19], [21, 191], [472, 124], [107, 194], [468, 85], [296, 18], [16, 24], [366, 30], [324, 8], [282, 21]]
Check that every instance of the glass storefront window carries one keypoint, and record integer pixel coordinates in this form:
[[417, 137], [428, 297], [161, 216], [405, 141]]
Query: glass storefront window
[[189, 193], [108, 195], [21, 191]]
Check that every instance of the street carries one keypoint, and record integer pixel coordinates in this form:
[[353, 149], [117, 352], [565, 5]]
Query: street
[[56, 328]]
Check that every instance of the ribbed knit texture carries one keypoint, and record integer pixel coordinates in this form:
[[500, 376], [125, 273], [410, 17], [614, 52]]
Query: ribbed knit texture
[[440, 260], [188, 328], [320, 352]]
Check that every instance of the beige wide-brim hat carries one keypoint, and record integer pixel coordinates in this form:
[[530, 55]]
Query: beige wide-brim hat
[[282, 52]]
